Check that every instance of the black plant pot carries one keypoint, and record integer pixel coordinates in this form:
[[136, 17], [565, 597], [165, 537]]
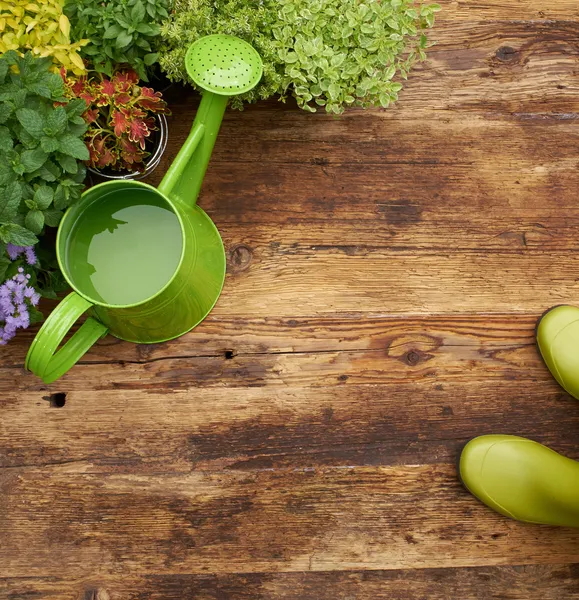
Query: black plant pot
[[156, 145]]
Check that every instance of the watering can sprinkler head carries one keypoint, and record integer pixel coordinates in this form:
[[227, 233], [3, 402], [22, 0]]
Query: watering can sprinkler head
[[224, 65]]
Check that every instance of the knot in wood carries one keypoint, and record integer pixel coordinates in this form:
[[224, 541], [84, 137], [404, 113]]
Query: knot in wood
[[239, 258], [506, 53], [412, 358]]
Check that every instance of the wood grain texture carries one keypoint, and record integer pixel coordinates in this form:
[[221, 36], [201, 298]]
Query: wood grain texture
[[260, 521], [523, 582], [385, 273]]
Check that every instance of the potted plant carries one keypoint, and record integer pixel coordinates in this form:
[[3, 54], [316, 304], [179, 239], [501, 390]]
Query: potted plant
[[127, 127], [329, 53]]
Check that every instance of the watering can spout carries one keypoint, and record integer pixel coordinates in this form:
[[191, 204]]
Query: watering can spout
[[183, 180], [222, 66]]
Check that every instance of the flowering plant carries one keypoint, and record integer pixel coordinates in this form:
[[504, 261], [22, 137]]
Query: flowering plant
[[120, 115], [18, 300]]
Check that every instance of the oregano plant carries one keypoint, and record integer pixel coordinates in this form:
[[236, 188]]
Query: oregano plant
[[329, 53], [339, 53]]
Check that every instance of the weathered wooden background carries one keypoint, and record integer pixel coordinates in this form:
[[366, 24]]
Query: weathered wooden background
[[386, 269]]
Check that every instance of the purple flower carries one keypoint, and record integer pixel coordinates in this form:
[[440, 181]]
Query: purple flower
[[16, 297], [15, 251]]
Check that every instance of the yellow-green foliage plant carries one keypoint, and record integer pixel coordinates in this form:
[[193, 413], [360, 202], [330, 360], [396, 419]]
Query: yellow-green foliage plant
[[41, 27]]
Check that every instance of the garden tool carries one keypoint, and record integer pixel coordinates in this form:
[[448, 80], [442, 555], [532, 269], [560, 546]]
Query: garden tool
[[522, 479], [148, 264]]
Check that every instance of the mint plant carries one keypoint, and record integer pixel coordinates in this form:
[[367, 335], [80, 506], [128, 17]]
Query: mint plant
[[120, 32], [329, 53], [40, 170]]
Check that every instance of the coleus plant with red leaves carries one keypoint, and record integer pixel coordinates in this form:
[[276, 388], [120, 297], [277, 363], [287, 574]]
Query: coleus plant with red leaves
[[120, 115]]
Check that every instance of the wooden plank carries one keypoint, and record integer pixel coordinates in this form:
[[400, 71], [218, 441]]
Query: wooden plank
[[391, 282], [217, 335], [407, 422], [226, 522], [521, 582], [398, 357], [295, 394], [503, 10]]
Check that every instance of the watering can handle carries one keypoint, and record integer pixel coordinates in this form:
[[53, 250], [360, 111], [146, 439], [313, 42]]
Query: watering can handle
[[43, 359]]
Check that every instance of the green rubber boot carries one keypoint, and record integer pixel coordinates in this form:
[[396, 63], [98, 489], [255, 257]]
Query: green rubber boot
[[558, 341], [522, 479]]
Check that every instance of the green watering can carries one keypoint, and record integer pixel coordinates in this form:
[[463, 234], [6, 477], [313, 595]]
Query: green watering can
[[147, 263]]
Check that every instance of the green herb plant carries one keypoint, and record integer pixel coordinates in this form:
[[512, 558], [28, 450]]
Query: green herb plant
[[329, 53], [42, 28], [121, 32], [41, 148]]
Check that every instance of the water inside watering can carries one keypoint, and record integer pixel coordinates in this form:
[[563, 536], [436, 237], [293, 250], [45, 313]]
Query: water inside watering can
[[125, 247]]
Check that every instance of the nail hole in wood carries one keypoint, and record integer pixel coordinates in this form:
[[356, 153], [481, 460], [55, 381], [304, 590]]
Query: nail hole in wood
[[229, 354], [57, 400]]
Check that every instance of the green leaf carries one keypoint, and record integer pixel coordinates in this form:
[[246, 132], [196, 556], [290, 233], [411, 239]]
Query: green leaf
[[55, 84], [61, 197], [73, 146], [123, 39], [6, 143], [32, 121], [49, 144], [4, 264], [6, 172], [34, 221], [17, 235], [19, 98], [40, 89], [10, 198], [75, 107], [112, 32], [43, 197], [48, 172], [3, 70], [5, 111], [52, 217], [56, 121], [151, 59], [137, 12], [35, 315], [68, 163], [33, 159], [145, 29]]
